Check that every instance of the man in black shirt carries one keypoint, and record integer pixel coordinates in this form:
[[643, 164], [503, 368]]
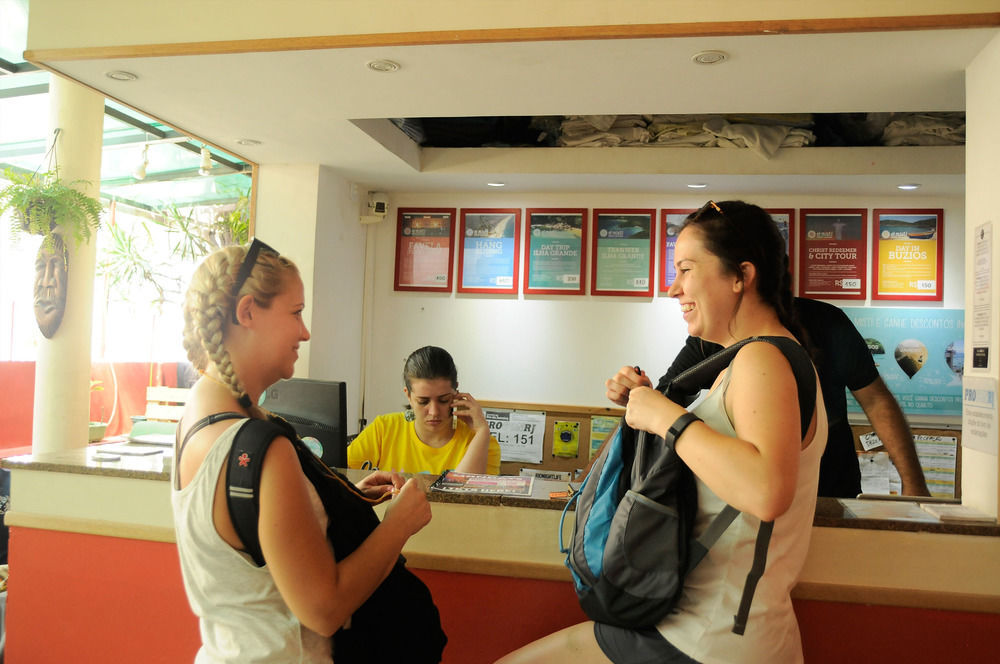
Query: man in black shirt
[[843, 361]]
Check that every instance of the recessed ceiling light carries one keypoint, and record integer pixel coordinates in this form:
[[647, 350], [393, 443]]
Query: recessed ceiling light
[[383, 66], [709, 57], [908, 187], [697, 185], [120, 75], [247, 141], [496, 184]]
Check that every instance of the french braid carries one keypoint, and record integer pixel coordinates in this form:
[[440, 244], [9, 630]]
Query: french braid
[[209, 304]]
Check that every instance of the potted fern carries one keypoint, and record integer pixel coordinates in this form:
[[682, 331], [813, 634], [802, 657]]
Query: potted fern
[[42, 203]]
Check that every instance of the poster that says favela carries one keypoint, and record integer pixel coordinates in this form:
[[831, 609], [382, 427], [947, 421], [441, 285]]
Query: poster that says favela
[[919, 354]]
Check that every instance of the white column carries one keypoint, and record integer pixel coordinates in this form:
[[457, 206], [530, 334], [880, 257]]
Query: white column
[[286, 219], [62, 368], [310, 214], [980, 466]]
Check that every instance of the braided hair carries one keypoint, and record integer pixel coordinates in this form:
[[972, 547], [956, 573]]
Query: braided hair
[[210, 302], [738, 232]]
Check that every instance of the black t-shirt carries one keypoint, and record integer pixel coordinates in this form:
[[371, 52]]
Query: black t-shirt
[[843, 362]]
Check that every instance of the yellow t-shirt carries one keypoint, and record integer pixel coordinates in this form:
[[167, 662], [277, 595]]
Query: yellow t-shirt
[[391, 443]]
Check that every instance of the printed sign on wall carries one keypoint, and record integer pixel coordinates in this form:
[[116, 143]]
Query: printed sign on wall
[[488, 251], [424, 252], [556, 252], [919, 354], [833, 251], [623, 242], [908, 255]]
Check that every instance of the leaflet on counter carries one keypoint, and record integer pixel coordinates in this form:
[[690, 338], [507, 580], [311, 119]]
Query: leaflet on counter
[[508, 485]]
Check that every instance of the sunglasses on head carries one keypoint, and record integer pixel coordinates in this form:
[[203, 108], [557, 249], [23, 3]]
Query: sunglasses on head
[[246, 267], [705, 208]]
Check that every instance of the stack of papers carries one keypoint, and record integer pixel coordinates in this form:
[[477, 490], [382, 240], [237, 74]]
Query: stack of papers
[[957, 513]]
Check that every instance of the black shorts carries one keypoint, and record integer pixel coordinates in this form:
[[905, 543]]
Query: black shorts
[[637, 646]]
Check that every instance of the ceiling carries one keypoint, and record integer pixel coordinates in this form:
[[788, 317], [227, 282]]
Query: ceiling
[[173, 169], [327, 107]]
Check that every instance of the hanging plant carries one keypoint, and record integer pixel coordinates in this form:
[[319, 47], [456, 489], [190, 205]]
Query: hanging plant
[[43, 204]]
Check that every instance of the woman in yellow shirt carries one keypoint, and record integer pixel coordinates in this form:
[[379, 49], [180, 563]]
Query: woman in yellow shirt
[[442, 428]]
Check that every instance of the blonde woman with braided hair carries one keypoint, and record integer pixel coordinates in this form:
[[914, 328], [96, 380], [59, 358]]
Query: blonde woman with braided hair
[[243, 328]]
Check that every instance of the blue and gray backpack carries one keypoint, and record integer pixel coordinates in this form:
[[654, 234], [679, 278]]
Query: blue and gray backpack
[[632, 542]]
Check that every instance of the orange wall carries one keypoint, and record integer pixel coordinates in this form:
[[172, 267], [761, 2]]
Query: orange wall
[[91, 599], [18, 381]]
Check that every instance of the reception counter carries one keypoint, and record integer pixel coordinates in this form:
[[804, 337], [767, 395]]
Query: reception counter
[[92, 546]]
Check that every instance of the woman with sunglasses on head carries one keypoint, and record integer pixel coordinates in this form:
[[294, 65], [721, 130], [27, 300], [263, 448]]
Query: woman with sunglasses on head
[[753, 444], [243, 327], [441, 429]]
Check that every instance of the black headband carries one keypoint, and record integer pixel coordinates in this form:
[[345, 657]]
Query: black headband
[[246, 267]]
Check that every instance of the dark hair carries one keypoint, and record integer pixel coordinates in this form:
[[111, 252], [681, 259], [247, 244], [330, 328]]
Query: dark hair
[[738, 232], [428, 363]]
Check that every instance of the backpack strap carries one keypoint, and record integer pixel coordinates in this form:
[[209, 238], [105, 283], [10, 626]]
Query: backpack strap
[[246, 461], [756, 571], [703, 373], [195, 428]]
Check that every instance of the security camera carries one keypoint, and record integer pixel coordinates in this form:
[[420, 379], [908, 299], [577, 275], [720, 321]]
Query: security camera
[[378, 202]]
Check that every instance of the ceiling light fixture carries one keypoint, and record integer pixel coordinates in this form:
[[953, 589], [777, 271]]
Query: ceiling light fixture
[[496, 184], [709, 57], [383, 66], [120, 75], [697, 185], [140, 171], [247, 141], [205, 168], [908, 187]]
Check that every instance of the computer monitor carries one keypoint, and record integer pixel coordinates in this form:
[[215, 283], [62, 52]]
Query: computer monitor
[[318, 411]]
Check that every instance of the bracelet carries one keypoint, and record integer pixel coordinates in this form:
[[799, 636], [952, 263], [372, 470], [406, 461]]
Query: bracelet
[[678, 427]]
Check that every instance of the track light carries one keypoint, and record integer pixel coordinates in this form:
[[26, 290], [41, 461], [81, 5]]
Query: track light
[[206, 162], [140, 171]]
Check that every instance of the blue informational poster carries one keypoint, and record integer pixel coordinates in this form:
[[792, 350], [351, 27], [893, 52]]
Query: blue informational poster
[[919, 354], [489, 252]]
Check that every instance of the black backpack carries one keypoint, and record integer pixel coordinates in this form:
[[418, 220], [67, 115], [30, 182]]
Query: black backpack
[[632, 542], [416, 630]]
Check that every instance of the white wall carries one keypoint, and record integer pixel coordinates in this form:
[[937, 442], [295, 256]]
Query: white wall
[[560, 349], [309, 213], [980, 466], [338, 284]]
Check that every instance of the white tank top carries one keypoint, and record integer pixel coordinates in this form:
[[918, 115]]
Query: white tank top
[[242, 616], [702, 625]]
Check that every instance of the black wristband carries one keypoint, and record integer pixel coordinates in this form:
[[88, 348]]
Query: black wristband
[[679, 425]]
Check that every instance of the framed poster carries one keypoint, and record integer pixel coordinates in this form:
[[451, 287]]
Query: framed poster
[[670, 225], [489, 250], [785, 220], [907, 254], [424, 250], [555, 253], [832, 253], [623, 242]]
